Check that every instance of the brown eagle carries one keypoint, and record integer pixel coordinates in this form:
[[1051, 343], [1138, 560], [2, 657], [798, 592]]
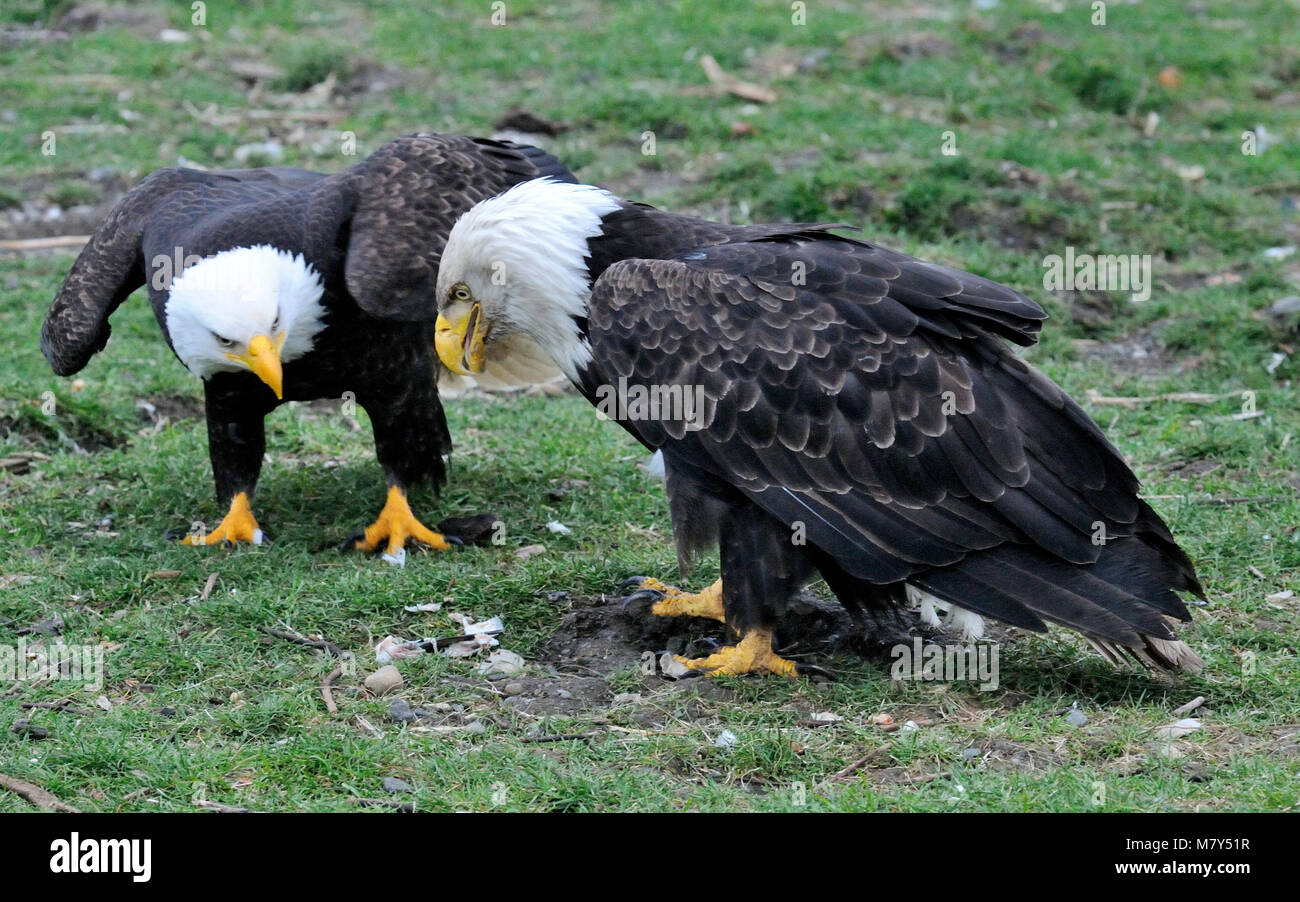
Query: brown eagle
[[859, 416], [274, 285]]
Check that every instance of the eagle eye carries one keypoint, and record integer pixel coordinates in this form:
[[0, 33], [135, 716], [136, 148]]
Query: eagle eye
[[460, 293]]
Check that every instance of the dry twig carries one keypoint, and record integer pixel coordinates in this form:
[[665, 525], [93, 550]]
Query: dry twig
[[41, 798]]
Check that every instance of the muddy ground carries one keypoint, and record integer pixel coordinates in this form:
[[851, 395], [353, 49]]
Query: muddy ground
[[605, 636]]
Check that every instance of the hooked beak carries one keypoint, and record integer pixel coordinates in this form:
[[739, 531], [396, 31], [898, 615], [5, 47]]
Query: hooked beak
[[263, 358], [460, 345]]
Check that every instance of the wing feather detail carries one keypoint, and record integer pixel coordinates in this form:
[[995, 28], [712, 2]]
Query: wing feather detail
[[871, 400]]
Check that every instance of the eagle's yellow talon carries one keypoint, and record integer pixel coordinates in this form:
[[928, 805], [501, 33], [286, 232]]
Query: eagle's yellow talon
[[678, 604], [753, 654], [239, 526], [396, 523]]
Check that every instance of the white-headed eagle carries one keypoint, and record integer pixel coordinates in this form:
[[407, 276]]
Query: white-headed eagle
[[860, 417], [274, 285]]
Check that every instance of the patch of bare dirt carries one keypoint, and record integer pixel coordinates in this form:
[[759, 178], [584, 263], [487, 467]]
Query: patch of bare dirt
[[564, 695], [367, 77], [53, 435], [1006, 755], [605, 635], [1021, 41], [1191, 469], [1001, 222], [644, 183], [139, 17], [170, 409], [41, 215], [916, 45], [1137, 354], [518, 119]]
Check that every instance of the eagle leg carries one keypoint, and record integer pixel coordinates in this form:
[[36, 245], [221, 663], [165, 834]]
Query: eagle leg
[[396, 523], [239, 525], [753, 654], [670, 601]]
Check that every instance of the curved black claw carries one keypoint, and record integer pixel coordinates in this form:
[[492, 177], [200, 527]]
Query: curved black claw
[[175, 535], [646, 597], [814, 672], [702, 647], [632, 582], [350, 543], [453, 540]]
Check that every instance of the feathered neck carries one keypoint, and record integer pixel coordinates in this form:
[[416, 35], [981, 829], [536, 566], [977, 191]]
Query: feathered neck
[[528, 248]]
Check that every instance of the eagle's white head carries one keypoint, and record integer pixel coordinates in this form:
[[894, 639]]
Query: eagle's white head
[[516, 264], [248, 308]]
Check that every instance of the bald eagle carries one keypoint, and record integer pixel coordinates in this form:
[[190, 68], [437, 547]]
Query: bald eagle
[[274, 285], [860, 416]]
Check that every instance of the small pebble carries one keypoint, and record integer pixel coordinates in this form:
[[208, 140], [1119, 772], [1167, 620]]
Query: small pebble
[[1076, 718], [514, 687], [384, 680], [400, 711], [970, 753], [1287, 306], [394, 785]]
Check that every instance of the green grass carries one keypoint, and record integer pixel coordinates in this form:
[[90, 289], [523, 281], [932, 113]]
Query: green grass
[[855, 136]]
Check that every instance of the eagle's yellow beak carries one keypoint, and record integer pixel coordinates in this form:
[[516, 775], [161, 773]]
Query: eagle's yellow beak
[[263, 358], [460, 344]]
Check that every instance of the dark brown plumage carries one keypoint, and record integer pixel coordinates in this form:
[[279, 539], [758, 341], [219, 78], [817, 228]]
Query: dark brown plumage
[[872, 406], [862, 419], [373, 232]]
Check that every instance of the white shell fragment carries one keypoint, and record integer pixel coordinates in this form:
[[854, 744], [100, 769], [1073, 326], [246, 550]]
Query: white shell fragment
[[669, 666], [1178, 728], [391, 648], [501, 663]]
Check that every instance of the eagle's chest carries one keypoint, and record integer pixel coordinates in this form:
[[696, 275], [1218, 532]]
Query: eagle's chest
[[357, 353]]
